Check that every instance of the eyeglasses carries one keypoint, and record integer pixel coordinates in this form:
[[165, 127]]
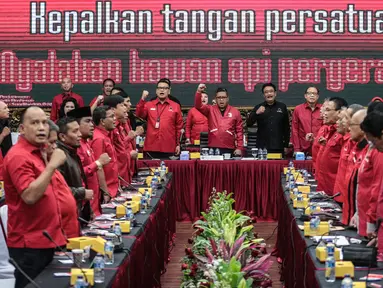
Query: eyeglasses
[[163, 88], [221, 97]]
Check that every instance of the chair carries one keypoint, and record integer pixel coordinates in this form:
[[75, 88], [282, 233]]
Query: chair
[[251, 142], [203, 140], [7, 278]]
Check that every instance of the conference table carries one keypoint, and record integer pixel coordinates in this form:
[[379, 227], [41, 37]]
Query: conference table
[[254, 183], [300, 267], [146, 248]]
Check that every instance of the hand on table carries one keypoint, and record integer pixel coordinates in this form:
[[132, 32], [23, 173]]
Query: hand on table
[[178, 150], [187, 142]]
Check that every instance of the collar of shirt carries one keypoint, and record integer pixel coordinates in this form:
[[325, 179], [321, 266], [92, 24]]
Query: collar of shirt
[[346, 137], [28, 146], [158, 101], [84, 141], [67, 94], [268, 105], [70, 150], [102, 131], [317, 106], [361, 144]]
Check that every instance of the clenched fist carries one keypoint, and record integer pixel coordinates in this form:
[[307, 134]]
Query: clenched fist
[[144, 95], [260, 110], [6, 132], [100, 98], [88, 194], [58, 158], [104, 159], [201, 88]]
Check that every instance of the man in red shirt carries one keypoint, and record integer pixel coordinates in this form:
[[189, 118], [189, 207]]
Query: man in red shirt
[[107, 87], [104, 119], [225, 122], [306, 121], [67, 202], [120, 134], [66, 86], [91, 166], [328, 165], [164, 122], [196, 122], [317, 145], [29, 181]]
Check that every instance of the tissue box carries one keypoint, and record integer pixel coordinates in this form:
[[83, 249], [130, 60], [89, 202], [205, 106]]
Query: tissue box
[[321, 254], [301, 204], [75, 272], [125, 226], [197, 142], [323, 229], [300, 156], [304, 189], [344, 267]]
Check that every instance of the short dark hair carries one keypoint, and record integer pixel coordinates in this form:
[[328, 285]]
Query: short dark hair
[[165, 80], [70, 99], [121, 92], [108, 79], [221, 89], [113, 100], [373, 124], [53, 126], [23, 112], [62, 123], [100, 113], [375, 106], [312, 86], [269, 85], [339, 102]]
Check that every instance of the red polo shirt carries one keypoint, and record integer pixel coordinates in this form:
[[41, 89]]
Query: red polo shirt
[[102, 144], [328, 165], [316, 146], [88, 161], [305, 120], [68, 207], [1, 165], [130, 146], [59, 99], [166, 137], [119, 137], [370, 174], [22, 165], [195, 124]]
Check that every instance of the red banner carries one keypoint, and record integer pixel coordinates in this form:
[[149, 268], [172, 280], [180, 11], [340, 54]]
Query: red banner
[[197, 25]]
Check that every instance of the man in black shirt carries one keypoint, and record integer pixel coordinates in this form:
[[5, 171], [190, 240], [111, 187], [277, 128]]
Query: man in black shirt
[[272, 121], [5, 132]]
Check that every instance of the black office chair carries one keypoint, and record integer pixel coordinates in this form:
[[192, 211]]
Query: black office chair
[[251, 142], [203, 140]]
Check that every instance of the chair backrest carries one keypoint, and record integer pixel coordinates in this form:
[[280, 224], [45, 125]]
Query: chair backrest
[[203, 140], [251, 142], [6, 269]]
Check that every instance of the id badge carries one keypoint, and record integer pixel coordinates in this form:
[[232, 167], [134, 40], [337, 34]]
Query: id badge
[[157, 125]]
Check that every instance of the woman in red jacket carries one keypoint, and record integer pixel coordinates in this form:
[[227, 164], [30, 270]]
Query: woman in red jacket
[[196, 122]]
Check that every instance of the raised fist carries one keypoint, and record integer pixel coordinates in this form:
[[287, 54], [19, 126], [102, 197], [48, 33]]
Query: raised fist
[[201, 88], [144, 95]]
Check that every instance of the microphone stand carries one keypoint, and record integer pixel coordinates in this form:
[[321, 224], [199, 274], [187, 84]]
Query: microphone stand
[[13, 262], [49, 237]]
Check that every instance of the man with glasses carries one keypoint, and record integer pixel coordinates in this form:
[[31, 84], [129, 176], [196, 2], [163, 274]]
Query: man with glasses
[[327, 165], [272, 120], [306, 121], [105, 121], [224, 121], [92, 167], [164, 122]]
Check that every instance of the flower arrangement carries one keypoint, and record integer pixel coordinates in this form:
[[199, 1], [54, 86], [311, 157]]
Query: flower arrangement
[[225, 252]]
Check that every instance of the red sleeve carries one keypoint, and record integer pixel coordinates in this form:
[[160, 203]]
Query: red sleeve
[[92, 102], [21, 171], [141, 109], [239, 131], [189, 123], [98, 147], [54, 110], [91, 168], [375, 185], [295, 134], [204, 109], [1, 165], [80, 101], [179, 124]]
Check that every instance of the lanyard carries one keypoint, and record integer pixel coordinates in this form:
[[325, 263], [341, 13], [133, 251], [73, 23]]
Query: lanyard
[[162, 111]]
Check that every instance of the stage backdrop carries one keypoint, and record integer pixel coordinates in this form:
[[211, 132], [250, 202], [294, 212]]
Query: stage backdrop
[[335, 45]]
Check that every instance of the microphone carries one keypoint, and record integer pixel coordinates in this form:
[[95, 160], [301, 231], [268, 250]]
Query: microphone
[[13, 262], [49, 237], [89, 223], [148, 166], [182, 133], [151, 157], [127, 183]]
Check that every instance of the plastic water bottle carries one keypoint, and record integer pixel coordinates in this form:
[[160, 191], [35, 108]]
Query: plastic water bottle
[[330, 269], [143, 204], [99, 266], [153, 185], [265, 154], [347, 282], [117, 230], [291, 182], [211, 151], [129, 214], [317, 220], [306, 177], [156, 173], [162, 164], [299, 197], [313, 224], [217, 151], [291, 164], [147, 195], [80, 282], [330, 248], [109, 252]]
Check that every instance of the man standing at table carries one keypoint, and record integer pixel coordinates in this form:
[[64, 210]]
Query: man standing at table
[[306, 121], [164, 122], [104, 119], [66, 86], [328, 164], [273, 123], [92, 167], [72, 170], [225, 122], [29, 181]]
